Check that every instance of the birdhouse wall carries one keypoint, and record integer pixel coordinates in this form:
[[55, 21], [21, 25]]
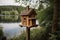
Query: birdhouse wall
[[24, 20], [33, 22], [27, 21]]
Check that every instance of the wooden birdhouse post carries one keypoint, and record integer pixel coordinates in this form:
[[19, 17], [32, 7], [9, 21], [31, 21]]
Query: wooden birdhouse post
[[28, 20]]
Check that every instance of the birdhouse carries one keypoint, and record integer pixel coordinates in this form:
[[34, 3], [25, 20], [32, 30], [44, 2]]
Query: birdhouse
[[28, 17]]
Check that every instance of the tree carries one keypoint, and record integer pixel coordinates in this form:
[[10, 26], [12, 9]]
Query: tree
[[55, 15], [31, 3], [49, 14]]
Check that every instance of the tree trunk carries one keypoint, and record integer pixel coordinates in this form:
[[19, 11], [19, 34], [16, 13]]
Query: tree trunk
[[55, 16]]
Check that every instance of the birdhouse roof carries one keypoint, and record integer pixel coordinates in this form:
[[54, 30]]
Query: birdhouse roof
[[28, 11]]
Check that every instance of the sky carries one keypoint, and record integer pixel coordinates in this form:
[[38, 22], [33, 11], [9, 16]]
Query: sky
[[12, 2], [8, 2]]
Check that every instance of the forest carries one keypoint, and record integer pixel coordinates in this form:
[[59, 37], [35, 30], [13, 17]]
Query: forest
[[48, 17]]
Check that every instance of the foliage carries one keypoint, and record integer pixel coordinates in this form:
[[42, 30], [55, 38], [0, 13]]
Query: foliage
[[45, 20], [19, 9], [45, 16], [53, 37], [35, 34], [11, 14], [38, 34], [1, 31]]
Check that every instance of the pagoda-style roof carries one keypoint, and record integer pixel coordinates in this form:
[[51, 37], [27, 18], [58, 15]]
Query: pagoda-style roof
[[28, 11]]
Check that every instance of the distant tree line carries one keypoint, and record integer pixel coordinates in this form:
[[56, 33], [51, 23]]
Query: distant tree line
[[10, 13]]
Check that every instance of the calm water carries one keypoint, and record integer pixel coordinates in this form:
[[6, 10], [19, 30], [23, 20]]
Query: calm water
[[12, 29]]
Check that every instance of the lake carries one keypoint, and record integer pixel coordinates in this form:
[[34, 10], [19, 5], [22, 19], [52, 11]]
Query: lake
[[12, 29]]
